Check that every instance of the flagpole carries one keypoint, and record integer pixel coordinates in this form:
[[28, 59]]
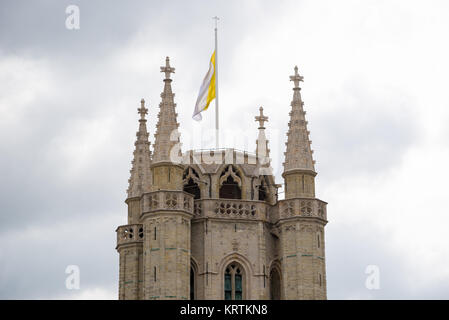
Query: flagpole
[[217, 125]]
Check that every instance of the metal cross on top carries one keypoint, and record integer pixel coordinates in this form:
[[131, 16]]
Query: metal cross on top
[[142, 110], [167, 69], [216, 21], [261, 118], [296, 78]]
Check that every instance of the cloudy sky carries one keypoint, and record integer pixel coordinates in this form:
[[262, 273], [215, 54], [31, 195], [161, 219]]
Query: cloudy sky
[[375, 91]]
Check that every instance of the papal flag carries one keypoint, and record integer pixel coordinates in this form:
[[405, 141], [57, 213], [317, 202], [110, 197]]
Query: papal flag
[[207, 91]]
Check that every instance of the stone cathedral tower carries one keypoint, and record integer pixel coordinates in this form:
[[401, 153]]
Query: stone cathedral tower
[[209, 224]]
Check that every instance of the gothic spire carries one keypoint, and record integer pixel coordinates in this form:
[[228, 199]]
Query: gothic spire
[[166, 136], [140, 180], [299, 153], [262, 150]]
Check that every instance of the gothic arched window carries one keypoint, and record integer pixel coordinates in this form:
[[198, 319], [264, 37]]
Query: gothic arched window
[[262, 190], [233, 282], [230, 184], [192, 284], [190, 180], [275, 285]]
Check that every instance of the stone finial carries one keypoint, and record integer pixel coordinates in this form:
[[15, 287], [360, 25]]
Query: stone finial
[[142, 110], [167, 69], [296, 78], [262, 150], [261, 118]]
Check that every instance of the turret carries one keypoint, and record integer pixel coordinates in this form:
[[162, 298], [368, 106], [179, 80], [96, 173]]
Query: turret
[[167, 210], [130, 236], [302, 217]]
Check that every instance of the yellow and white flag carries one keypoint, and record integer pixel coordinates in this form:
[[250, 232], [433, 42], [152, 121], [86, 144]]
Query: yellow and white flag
[[207, 91]]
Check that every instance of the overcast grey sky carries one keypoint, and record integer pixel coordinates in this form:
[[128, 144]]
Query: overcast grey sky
[[375, 92]]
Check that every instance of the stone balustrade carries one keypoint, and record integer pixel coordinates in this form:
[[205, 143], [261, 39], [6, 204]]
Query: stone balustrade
[[166, 200], [259, 210], [130, 233], [302, 207], [230, 208], [220, 208]]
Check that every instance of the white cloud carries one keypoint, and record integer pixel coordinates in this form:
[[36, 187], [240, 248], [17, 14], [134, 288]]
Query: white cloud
[[24, 80]]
